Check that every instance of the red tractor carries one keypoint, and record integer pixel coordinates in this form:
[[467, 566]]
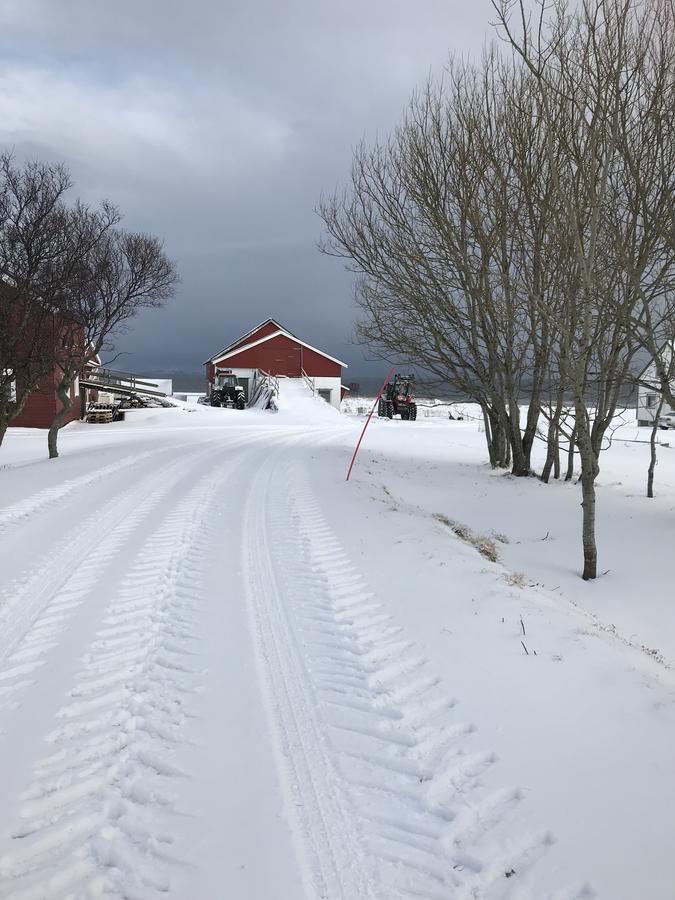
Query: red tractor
[[399, 399]]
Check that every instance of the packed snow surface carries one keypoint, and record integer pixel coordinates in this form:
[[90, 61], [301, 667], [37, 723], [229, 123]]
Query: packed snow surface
[[227, 674]]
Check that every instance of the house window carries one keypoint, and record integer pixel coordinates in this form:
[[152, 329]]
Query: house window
[[9, 384], [651, 401]]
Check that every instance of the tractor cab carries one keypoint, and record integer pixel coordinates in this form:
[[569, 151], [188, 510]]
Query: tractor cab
[[225, 391], [224, 379], [403, 389], [399, 399]]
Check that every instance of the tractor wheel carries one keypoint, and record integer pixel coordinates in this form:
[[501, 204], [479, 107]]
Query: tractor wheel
[[412, 412], [389, 409], [380, 408], [405, 413], [241, 403]]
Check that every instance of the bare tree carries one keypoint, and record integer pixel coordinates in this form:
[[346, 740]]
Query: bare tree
[[121, 274], [43, 246], [594, 74], [516, 235], [31, 245], [447, 224]]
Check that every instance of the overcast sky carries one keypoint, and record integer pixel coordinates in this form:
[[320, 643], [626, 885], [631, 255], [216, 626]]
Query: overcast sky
[[217, 125]]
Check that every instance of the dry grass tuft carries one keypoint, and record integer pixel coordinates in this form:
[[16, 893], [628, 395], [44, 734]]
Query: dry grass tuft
[[516, 579], [485, 545]]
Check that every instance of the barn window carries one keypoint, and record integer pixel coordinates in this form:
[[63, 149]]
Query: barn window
[[324, 393], [9, 384]]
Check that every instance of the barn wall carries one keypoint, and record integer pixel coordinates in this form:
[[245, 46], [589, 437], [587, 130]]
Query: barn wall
[[282, 355], [316, 365], [263, 331], [279, 356]]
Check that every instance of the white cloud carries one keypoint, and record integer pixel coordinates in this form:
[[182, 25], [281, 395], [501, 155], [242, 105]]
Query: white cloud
[[136, 125]]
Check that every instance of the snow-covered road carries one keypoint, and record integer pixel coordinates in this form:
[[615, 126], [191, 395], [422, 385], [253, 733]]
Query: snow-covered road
[[224, 678]]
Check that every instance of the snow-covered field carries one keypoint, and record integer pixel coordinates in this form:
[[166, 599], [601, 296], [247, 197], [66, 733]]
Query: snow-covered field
[[226, 674]]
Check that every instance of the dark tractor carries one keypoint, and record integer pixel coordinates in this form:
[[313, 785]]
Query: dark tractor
[[399, 399], [226, 392]]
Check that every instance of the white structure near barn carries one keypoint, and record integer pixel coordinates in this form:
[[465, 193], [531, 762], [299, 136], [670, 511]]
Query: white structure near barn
[[165, 385], [649, 392]]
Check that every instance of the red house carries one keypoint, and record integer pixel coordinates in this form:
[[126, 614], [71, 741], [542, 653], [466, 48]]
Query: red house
[[271, 348], [43, 404], [29, 351]]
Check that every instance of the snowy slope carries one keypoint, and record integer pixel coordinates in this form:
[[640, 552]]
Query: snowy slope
[[226, 673], [296, 401]]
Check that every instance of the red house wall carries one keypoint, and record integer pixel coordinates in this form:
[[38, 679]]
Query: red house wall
[[283, 356], [50, 332], [42, 405]]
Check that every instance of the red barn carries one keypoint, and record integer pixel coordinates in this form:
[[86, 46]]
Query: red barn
[[273, 349]]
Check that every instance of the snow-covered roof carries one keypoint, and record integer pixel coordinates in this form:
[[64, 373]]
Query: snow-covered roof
[[281, 331]]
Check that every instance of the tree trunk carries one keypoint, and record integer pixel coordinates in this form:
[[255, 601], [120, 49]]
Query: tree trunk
[[530, 433], [521, 462], [505, 451], [588, 533], [652, 447], [521, 459], [3, 428], [589, 472], [556, 456], [496, 438], [569, 475], [548, 464], [63, 393], [520, 465], [488, 437], [552, 445]]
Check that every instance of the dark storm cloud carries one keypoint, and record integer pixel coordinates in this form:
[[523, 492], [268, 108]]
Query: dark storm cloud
[[217, 125]]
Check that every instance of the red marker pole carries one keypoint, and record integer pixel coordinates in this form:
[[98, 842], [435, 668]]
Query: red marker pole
[[370, 415]]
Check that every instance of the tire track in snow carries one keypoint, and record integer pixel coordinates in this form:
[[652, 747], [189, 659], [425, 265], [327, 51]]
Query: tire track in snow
[[335, 855], [33, 640], [24, 599], [372, 747], [92, 821], [71, 569], [26, 508]]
